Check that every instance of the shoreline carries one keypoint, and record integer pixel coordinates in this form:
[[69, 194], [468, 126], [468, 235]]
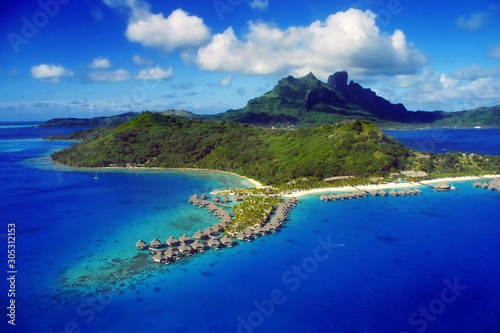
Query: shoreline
[[386, 186], [254, 182], [301, 193]]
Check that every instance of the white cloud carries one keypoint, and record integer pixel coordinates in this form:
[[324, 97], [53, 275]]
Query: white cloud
[[226, 81], [346, 40], [494, 53], [472, 22], [431, 90], [140, 61], [50, 73], [155, 73], [259, 4], [178, 30], [104, 76], [475, 72], [100, 63]]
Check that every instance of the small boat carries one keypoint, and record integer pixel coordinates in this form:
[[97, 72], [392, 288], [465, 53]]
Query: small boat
[[96, 177]]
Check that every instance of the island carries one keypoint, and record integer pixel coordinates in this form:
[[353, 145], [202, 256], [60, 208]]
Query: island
[[351, 159]]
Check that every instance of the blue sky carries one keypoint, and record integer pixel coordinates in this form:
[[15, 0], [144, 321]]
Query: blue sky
[[69, 58]]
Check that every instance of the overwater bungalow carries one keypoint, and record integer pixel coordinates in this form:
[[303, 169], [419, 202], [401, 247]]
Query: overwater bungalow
[[227, 241], [172, 253], [155, 243], [214, 243], [185, 239], [382, 193], [258, 231], [198, 246], [402, 193], [217, 227], [141, 245], [250, 235], [270, 228], [208, 231], [186, 249], [172, 241], [204, 196], [225, 199], [275, 224], [200, 235], [373, 193], [216, 199], [393, 193], [158, 257], [242, 236], [332, 197], [494, 184], [324, 198], [443, 186], [220, 212], [212, 207], [193, 198]]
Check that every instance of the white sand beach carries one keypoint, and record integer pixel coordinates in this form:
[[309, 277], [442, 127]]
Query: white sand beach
[[386, 186]]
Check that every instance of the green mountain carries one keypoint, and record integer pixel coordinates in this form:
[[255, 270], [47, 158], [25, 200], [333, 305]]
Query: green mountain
[[308, 101], [273, 156]]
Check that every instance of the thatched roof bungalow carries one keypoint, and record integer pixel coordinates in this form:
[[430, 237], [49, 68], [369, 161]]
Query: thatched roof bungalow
[[155, 243], [171, 252], [227, 241], [198, 246], [208, 231], [141, 245], [158, 257], [172, 241], [214, 243], [443, 186], [200, 235], [186, 249], [185, 239]]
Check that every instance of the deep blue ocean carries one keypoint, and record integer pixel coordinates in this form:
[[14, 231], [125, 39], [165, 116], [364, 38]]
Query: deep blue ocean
[[428, 263]]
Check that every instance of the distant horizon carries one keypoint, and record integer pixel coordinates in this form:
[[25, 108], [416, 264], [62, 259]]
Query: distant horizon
[[81, 59]]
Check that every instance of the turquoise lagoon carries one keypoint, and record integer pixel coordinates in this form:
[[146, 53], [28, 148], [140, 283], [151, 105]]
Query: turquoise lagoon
[[428, 263]]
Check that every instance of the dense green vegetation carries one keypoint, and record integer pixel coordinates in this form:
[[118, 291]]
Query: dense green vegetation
[[357, 148], [255, 210]]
